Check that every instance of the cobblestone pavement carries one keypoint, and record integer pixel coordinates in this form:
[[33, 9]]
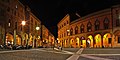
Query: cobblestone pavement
[[33, 55]]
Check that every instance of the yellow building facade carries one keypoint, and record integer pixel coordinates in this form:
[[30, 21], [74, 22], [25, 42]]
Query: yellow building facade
[[95, 30]]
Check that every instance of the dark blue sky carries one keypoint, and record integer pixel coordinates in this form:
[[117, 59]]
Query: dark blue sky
[[50, 12]]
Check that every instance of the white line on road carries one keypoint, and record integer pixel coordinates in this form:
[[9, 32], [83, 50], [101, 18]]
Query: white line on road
[[12, 51], [76, 56], [79, 51]]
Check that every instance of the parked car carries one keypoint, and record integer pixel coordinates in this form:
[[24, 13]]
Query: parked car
[[17, 47]]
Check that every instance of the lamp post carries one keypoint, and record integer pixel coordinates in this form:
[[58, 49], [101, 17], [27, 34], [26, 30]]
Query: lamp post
[[68, 33], [37, 28], [23, 24]]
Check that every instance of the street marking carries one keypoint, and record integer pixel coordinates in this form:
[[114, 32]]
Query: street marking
[[62, 52], [12, 51], [95, 58], [56, 49], [80, 51], [76, 56], [73, 57], [68, 52]]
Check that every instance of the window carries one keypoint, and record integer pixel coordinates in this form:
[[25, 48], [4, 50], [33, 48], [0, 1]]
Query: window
[[9, 23], [76, 30], [64, 24], [106, 23], [97, 24], [67, 22], [82, 28], [71, 31], [89, 27]]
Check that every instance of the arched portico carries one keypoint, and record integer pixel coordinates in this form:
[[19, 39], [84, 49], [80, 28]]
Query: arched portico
[[90, 41], [98, 41], [107, 40], [77, 42], [116, 38], [72, 42], [83, 42], [9, 39]]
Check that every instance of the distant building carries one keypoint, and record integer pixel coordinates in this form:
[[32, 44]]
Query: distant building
[[96, 30], [47, 37]]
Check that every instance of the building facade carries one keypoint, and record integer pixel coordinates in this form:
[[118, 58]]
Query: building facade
[[96, 30], [12, 31], [47, 37]]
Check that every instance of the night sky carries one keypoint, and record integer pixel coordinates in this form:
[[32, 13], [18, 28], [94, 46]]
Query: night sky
[[50, 12]]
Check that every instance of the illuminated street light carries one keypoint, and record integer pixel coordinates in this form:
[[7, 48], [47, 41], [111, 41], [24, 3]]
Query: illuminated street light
[[68, 33], [23, 23], [68, 30], [37, 28]]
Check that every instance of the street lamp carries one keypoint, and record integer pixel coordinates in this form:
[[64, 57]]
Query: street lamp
[[23, 24], [37, 28], [68, 33]]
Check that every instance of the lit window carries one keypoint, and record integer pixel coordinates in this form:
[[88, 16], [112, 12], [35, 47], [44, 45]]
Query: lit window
[[106, 23], [89, 27], [71, 31], [76, 30], [82, 28], [9, 23], [16, 6], [97, 24]]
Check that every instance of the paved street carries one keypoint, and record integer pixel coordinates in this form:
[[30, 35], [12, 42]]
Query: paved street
[[100, 54], [33, 55], [65, 54]]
